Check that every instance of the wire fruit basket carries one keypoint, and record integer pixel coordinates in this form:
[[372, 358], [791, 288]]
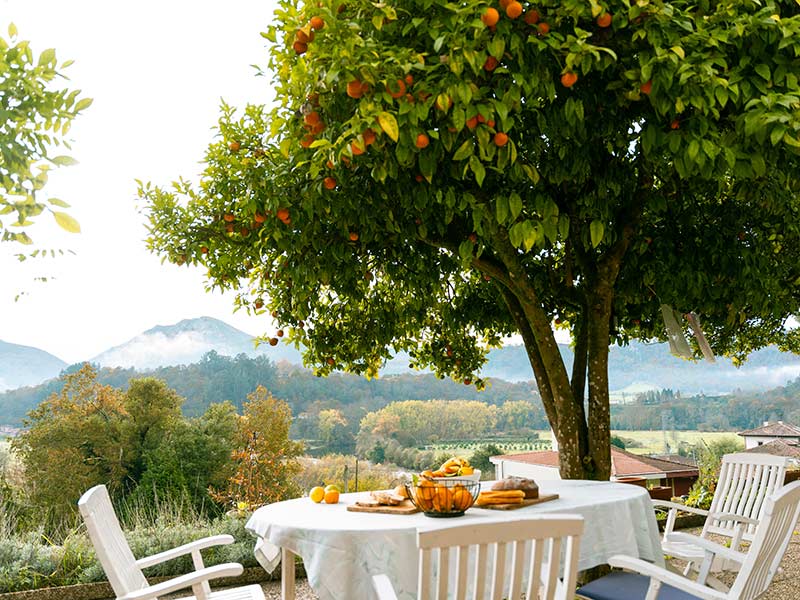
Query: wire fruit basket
[[440, 497]]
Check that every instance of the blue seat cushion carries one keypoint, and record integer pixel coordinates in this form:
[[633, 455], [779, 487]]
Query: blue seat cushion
[[628, 586]]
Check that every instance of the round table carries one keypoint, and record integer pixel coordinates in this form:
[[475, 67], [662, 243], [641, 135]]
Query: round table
[[341, 550]]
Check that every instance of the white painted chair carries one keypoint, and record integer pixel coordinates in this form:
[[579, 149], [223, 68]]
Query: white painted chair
[[650, 582], [745, 481], [469, 545], [124, 572]]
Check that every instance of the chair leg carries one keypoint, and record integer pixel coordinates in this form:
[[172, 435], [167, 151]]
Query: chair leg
[[287, 575]]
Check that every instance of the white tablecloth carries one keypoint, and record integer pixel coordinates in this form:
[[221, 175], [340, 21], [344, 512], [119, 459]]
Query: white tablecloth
[[341, 550]]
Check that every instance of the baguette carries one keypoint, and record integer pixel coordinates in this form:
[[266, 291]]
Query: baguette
[[500, 497]]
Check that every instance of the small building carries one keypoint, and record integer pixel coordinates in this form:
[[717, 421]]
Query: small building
[[770, 432], [780, 447], [652, 472]]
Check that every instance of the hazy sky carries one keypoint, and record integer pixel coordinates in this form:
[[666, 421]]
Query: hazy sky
[[156, 71]]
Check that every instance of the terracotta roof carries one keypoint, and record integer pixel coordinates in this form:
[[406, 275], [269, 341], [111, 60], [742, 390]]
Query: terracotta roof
[[686, 461], [777, 448], [779, 429], [623, 464]]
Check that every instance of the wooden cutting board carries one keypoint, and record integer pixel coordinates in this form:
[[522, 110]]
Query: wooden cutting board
[[528, 502], [404, 508]]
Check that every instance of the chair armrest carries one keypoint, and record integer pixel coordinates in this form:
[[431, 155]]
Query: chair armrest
[[708, 545], [214, 540], [383, 587], [185, 581], [681, 507], [660, 574], [733, 517]]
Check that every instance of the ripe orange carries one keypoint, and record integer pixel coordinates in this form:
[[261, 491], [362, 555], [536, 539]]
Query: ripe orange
[[282, 214], [504, 3], [676, 124], [472, 122], [604, 20], [317, 128], [514, 10], [357, 148], [500, 139], [490, 123], [204, 250], [311, 118], [544, 28], [316, 494], [307, 140], [409, 79], [234, 146], [531, 17], [229, 227], [481, 118], [353, 236], [302, 37], [331, 362], [369, 136], [259, 217], [259, 303], [646, 87], [273, 341], [490, 64], [331, 496], [397, 89], [329, 183], [568, 79], [279, 333], [300, 47], [317, 23], [422, 141], [354, 88], [467, 382], [490, 17], [329, 164], [228, 217], [419, 178]]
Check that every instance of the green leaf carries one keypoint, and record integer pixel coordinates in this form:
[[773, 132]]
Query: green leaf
[[66, 222], [763, 70], [47, 56], [12, 30], [759, 166], [83, 104], [389, 125], [679, 51], [58, 202], [515, 204], [477, 168], [596, 231], [64, 161], [501, 209], [464, 150]]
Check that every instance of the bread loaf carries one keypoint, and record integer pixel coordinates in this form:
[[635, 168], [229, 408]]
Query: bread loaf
[[518, 483], [500, 497]]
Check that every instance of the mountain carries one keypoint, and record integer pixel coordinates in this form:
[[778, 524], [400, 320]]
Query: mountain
[[186, 342], [24, 365]]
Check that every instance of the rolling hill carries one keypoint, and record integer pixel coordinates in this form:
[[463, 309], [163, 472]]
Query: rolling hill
[[24, 365]]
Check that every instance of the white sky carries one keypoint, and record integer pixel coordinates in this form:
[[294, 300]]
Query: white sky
[[156, 72]]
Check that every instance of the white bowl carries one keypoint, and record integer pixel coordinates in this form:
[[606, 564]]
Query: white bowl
[[476, 476]]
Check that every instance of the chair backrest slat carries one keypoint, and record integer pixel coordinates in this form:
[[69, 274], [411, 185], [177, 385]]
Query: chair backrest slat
[[109, 542], [779, 518], [511, 551], [745, 481]]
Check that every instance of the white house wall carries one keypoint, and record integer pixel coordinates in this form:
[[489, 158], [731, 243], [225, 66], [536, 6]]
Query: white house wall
[[505, 468]]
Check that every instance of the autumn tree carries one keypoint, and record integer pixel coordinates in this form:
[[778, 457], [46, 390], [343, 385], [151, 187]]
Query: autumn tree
[[436, 175], [35, 117], [265, 459]]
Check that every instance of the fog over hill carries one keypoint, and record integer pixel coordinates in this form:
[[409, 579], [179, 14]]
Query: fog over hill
[[632, 369]]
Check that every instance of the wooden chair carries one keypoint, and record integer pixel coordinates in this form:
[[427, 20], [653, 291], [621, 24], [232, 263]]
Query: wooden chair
[[745, 481], [470, 543], [758, 567], [124, 572]]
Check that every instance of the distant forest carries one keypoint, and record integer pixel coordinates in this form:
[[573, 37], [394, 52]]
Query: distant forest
[[218, 378]]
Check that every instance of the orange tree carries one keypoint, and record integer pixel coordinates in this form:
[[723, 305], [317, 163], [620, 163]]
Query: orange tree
[[436, 175]]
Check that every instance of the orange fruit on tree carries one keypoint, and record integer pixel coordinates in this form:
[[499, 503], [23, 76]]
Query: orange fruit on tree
[[500, 139], [353, 236], [676, 124], [397, 89], [491, 123], [481, 118], [317, 494], [531, 17], [307, 140], [304, 36], [300, 47], [604, 20], [354, 88], [491, 63], [234, 146], [273, 341], [282, 214], [259, 217], [331, 362], [568, 79], [513, 10], [646, 87], [472, 122], [204, 249], [369, 136], [279, 333], [409, 79], [329, 183], [504, 3], [422, 141], [544, 28], [490, 17], [228, 217], [311, 118], [317, 128], [357, 148], [317, 23], [329, 164]]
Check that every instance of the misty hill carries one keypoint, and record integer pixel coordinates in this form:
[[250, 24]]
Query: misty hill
[[186, 342], [24, 365]]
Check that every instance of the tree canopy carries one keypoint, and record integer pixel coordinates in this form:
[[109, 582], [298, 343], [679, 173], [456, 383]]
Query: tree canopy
[[438, 175], [34, 120]]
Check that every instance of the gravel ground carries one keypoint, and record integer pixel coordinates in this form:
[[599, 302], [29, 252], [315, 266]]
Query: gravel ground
[[785, 586]]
